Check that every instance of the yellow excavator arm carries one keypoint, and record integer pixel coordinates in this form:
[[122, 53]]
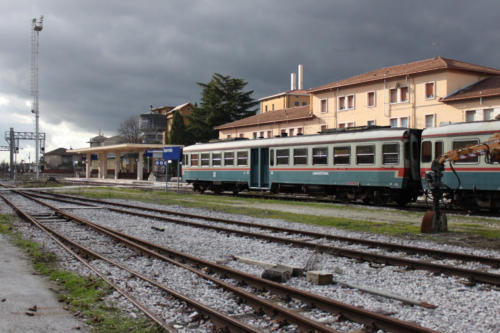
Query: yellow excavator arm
[[490, 147]]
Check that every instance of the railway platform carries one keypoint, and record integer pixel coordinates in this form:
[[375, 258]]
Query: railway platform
[[26, 302]]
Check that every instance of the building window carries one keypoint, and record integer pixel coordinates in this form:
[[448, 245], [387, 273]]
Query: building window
[[487, 114], [205, 159], [242, 135], [194, 159], [390, 153], [324, 106], [341, 103], [296, 103], [370, 123], [228, 136], [393, 95], [283, 132], [429, 90], [282, 156], [261, 134], [398, 95], [403, 92], [242, 157], [300, 156], [254, 135], [348, 124], [320, 155], [350, 102], [403, 122], [273, 107], [304, 103], [365, 154], [342, 155], [290, 132], [470, 116], [300, 130], [269, 134], [266, 108], [323, 128], [429, 120], [216, 159], [229, 158], [394, 122], [371, 99], [463, 144]]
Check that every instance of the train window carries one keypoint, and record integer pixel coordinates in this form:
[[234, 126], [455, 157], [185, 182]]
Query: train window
[[426, 151], [438, 149], [390, 153], [194, 159], [185, 159], [342, 155], [216, 159], [365, 154], [465, 143], [282, 156], [271, 157], [229, 158], [320, 155], [205, 159], [242, 157], [300, 156]]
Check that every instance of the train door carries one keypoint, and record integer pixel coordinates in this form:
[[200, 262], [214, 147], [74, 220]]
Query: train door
[[259, 168]]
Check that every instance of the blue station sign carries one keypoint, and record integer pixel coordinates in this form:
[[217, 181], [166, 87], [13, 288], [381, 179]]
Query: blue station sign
[[172, 153]]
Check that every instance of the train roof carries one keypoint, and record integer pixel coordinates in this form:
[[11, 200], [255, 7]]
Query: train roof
[[366, 135], [461, 129]]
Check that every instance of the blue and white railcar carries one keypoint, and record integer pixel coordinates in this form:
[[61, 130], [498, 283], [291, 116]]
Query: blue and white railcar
[[471, 181], [357, 164]]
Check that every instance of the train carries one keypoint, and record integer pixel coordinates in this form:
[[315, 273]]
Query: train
[[371, 164]]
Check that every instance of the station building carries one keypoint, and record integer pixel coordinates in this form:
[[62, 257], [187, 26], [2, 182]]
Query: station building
[[420, 94]]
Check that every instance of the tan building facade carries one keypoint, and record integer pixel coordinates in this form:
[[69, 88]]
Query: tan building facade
[[420, 94], [284, 100]]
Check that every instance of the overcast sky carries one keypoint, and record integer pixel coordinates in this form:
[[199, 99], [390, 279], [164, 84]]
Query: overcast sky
[[104, 61]]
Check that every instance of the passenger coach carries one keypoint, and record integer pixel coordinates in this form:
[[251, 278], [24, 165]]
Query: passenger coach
[[374, 164], [471, 181]]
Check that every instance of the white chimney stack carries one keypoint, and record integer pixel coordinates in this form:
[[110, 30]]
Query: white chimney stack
[[301, 77], [293, 82]]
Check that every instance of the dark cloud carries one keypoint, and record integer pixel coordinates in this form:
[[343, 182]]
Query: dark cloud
[[102, 61]]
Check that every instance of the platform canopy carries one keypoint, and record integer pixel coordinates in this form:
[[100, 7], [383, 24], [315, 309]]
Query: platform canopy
[[124, 148]]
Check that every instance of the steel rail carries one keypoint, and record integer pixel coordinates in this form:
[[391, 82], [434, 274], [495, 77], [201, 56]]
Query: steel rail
[[273, 310], [56, 237], [473, 275], [371, 319], [220, 320], [439, 254]]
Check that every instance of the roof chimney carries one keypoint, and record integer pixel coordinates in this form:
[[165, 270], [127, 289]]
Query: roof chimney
[[301, 77], [293, 82]]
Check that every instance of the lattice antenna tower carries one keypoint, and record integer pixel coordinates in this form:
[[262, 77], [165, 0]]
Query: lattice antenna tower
[[37, 26]]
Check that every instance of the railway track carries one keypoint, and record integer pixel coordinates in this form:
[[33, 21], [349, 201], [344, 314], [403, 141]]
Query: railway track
[[364, 255], [369, 319]]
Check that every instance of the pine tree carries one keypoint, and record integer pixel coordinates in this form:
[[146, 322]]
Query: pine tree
[[223, 100], [178, 134]]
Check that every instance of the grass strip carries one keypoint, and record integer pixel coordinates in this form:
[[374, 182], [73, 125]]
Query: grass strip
[[83, 295]]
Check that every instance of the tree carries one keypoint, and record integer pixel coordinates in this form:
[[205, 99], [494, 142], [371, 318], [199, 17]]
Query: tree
[[178, 134], [222, 101], [129, 130]]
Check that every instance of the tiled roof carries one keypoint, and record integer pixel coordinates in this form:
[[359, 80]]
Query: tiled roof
[[422, 66], [58, 151], [301, 92], [296, 113], [488, 87]]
